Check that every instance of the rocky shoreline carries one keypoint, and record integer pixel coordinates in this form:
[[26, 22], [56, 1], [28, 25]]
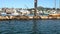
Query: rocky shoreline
[[27, 17]]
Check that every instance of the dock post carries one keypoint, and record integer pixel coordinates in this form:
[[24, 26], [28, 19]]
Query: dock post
[[34, 21], [35, 7]]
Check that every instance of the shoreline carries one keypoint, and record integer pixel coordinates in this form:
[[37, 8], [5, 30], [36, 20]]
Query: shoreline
[[29, 17]]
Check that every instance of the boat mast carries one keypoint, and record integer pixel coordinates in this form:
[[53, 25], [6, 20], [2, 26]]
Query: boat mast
[[35, 7], [59, 4], [55, 4]]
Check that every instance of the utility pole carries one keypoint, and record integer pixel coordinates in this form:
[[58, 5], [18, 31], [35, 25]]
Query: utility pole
[[35, 7]]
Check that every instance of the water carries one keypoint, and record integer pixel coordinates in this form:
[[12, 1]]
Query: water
[[30, 27]]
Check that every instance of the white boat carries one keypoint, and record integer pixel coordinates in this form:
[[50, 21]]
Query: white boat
[[3, 14], [24, 12], [53, 12], [14, 14]]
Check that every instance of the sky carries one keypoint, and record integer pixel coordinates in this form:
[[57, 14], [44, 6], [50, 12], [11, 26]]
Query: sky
[[27, 3]]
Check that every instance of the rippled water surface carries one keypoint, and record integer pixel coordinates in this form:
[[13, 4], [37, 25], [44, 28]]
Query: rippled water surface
[[30, 27]]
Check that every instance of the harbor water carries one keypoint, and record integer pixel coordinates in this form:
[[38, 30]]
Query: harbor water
[[30, 27]]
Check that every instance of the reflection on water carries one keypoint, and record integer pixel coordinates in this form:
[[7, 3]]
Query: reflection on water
[[34, 27], [30, 27]]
